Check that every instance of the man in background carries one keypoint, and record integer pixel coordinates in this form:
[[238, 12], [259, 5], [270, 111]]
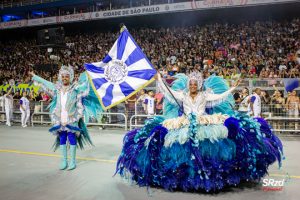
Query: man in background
[[254, 108], [8, 104], [2, 105], [25, 109], [150, 102], [159, 102]]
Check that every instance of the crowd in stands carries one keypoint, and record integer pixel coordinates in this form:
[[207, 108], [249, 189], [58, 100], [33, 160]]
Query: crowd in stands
[[262, 49], [259, 50]]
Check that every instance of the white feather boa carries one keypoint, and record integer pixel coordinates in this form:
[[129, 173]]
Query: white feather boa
[[182, 121]]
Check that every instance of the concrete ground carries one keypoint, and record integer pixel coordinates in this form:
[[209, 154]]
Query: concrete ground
[[29, 170]]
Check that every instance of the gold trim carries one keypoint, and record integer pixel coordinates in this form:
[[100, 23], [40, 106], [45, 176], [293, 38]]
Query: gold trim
[[94, 89], [120, 101]]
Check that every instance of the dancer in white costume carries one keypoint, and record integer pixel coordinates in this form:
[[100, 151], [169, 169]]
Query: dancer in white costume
[[9, 106]]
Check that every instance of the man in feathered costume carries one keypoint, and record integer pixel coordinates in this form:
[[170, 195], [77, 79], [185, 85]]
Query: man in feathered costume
[[200, 143], [72, 103]]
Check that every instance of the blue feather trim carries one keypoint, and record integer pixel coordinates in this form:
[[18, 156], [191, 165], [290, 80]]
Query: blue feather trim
[[200, 165], [73, 128], [54, 128], [218, 85]]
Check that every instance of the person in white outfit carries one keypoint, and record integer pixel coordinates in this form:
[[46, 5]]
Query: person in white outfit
[[150, 103], [254, 107], [25, 109], [8, 104], [1, 102], [243, 107], [1, 106]]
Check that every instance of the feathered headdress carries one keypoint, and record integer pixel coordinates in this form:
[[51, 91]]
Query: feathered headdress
[[196, 76], [66, 70]]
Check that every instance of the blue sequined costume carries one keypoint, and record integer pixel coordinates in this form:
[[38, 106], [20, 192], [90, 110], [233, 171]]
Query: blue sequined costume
[[82, 104], [70, 107], [205, 152]]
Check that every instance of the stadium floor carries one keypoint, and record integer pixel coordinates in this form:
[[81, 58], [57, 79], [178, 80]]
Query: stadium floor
[[29, 170]]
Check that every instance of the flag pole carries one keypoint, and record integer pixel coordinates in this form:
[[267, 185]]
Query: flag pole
[[180, 107], [122, 27]]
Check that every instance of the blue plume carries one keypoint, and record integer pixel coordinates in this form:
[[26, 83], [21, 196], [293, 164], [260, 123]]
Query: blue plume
[[218, 85], [290, 84]]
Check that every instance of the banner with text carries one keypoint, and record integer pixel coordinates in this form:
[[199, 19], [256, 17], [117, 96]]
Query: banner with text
[[145, 10]]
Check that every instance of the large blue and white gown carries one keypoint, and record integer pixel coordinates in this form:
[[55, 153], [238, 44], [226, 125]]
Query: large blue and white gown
[[207, 149]]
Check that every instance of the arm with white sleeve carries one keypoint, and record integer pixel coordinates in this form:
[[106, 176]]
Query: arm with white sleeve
[[179, 95], [47, 86], [218, 97]]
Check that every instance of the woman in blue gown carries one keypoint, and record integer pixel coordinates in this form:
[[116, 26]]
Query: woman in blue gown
[[200, 143]]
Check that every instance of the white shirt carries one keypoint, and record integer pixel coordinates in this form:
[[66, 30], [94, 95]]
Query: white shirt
[[2, 101], [25, 103], [199, 103], [8, 101], [173, 59], [150, 105], [256, 105], [142, 99], [244, 104], [63, 112]]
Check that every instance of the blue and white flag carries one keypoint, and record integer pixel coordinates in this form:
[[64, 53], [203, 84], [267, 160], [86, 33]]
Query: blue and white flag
[[122, 73], [290, 84]]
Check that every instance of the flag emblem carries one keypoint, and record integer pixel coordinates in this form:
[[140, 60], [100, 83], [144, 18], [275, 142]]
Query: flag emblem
[[116, 71]]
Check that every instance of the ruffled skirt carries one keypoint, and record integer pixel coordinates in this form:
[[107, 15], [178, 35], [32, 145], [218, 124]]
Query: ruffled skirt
[[196, 156]]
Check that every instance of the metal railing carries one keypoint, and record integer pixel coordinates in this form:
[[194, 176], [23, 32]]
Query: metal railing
[[41, 121], [15, 119], [2, 116], [279, 124], [274, 110], [279, 115], [111, 124], [284, 124]]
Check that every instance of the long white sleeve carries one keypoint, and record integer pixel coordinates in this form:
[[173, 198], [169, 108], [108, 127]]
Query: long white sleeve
[[216, 97], [179, 95]]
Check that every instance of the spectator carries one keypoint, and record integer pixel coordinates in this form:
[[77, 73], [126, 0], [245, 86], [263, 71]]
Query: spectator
[[244, 100], [45, 97], [266, 49], [143, 95], [25, 110], [278, 103], [249, 50], [17, 96], [36, 98], [8, 104], [254, 107], [159, 102], [1, 101], [265, 101], [130, 106], [150, 102], [292, 104]]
